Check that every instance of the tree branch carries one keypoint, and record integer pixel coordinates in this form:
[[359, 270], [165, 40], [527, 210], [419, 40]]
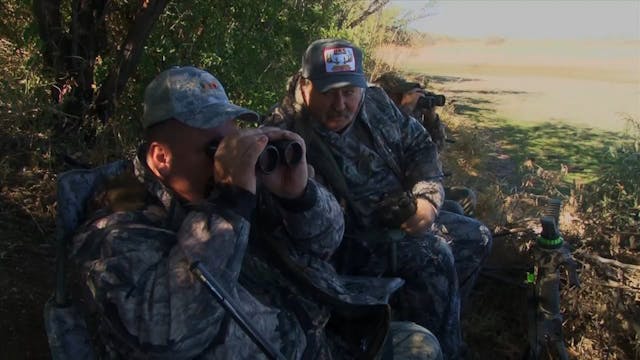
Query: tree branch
[[374, 7], [49, 21], [127, 58]]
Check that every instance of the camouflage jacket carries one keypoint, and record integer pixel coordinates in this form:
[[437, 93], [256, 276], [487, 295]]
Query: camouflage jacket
[[432, 124], [382, 152], [133, 257]]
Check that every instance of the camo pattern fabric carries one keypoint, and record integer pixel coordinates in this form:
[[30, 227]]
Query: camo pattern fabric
[[135, 265], [395, 154], [433, 125], [137, 268], [67, 332], [470, 241]]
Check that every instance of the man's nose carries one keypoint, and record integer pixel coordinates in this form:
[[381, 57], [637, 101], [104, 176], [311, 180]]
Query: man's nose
[[338, 100]]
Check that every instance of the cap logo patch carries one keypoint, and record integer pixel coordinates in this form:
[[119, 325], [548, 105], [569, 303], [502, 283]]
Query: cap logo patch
[[339, 59], [209, 86]]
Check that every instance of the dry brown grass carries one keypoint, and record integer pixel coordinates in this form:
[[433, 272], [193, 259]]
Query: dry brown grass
[[589, 83]]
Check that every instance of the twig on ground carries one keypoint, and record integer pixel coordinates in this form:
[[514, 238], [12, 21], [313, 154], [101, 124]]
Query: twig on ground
[[34, 220], [617, 285], [510, 231], [609, 261]]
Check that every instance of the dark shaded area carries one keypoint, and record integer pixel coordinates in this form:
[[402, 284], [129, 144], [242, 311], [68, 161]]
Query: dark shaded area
[[495, 324], [551, 145], [27, 264]]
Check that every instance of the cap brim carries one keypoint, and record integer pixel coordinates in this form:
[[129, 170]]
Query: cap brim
[[215, 115], [338, 81]]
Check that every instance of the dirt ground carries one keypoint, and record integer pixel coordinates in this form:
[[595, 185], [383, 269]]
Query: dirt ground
[[27, 265]]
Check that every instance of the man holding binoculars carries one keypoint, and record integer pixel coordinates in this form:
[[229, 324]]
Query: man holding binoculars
[[239, 206]]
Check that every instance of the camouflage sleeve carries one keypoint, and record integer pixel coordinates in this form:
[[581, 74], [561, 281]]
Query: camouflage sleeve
[[315, 224], [421, 163], [139, 278], [431, 121]]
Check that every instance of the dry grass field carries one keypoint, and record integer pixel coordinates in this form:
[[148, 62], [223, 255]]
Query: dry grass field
[[586, 83]]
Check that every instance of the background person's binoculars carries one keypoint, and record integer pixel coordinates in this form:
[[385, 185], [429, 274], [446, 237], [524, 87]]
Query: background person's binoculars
[[285, 152], [430, 100]]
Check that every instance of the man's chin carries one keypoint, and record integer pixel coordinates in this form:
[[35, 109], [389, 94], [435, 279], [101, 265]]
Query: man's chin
[[337, 124]]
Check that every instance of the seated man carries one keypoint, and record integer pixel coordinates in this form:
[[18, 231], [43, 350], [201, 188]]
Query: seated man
[[406, 95], [193, 194], [366, 152]]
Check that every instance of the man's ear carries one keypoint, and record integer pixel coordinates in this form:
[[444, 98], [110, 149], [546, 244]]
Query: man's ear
[[159, 159], [305, 89]]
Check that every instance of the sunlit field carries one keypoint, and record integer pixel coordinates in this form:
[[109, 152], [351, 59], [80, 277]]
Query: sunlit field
[[586, 83]]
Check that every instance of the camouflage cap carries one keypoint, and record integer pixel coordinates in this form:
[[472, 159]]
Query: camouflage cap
[[333, 63], [393, 83], [191, 96]]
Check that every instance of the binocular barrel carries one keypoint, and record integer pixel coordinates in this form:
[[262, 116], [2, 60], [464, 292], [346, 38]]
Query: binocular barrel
[[431, 100], [285, 152]]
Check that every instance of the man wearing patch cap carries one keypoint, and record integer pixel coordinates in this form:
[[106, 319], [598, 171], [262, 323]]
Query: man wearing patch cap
[[193, 195], [367, 152]]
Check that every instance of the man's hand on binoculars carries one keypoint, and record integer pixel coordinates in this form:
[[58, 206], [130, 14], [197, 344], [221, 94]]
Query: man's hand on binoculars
[[288, 179], [236, 157]]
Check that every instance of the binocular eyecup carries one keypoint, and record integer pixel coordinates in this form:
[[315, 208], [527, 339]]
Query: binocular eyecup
[[284, 152]]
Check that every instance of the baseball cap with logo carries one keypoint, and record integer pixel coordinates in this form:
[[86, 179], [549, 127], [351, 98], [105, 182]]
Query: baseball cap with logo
[[192, 96], [333, 63], [393, 83]]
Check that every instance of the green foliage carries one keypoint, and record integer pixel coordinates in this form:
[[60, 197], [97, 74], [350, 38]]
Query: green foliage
[[613, 199], [252, 47]]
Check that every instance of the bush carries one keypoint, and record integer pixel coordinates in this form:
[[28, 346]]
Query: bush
[[612, 201]]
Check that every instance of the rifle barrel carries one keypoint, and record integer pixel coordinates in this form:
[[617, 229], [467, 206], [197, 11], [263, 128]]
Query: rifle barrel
[[223, 298]]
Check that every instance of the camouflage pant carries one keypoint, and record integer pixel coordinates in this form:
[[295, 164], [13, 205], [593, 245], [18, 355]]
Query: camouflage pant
[[471, 243], [430, 294], [413, 342], [439, 273]]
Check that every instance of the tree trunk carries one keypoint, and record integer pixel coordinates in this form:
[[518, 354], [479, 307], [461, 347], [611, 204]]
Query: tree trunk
[[70, 52], [127, 58]]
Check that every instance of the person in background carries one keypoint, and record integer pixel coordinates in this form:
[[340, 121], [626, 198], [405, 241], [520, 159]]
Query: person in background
[[413, 100]]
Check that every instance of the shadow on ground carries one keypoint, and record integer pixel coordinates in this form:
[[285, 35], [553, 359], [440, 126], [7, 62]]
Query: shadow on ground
[[597, 317], [26, 264]]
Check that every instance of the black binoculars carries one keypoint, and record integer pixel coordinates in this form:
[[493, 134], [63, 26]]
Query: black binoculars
[[430, 100], [394, 209], [285, 152]]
